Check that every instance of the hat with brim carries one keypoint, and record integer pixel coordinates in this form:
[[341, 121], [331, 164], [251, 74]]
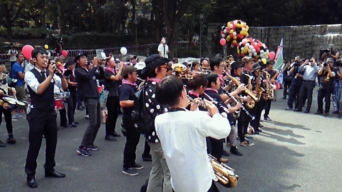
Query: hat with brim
[[68, 63], [78, 55], [130, 57], [330, 60], [247, 59], [140, 65], [256, 66], [153, 62], [127, 70], [270, 62], [236, 65], [103, 56]]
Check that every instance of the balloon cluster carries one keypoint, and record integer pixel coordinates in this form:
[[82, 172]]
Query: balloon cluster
[[253, 48], [233, 33]]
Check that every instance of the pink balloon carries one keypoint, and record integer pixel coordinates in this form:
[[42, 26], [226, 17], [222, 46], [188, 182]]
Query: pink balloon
[[223, 42], [27, 51], [271, 55], [65, 53]]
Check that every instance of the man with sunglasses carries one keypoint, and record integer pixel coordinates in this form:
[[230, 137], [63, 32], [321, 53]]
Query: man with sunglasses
[[41, 115]]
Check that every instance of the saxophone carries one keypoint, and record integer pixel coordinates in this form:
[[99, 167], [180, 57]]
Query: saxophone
[[251, 103], [247, 91], [258, 89], [268, 86], [225, 175]]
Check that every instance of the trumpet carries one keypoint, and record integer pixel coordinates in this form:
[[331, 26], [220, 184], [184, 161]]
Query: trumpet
[[247, 91], [225, 175]]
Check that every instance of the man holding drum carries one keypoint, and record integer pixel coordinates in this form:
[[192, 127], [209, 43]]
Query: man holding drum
[[4, 89], [41, 115]]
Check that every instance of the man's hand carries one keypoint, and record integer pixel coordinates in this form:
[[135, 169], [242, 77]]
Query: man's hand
[[52, 69], [121, 65], [241, 88], [2, 92], [96, 62], [247, 99]]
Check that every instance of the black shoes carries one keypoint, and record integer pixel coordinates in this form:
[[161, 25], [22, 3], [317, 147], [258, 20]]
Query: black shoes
[[146, 157], [298, 110], [110, 138], [116, 134], [83, 151], [235, 151], [54, 174], [225, 153], [32, 183]]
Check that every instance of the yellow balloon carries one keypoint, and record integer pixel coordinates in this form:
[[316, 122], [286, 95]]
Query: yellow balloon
[[228, 38], [46, 46], [238, 50], [264, 61], [228, 23], [234, 42], [239, 25], [234, 37], [231, 31]]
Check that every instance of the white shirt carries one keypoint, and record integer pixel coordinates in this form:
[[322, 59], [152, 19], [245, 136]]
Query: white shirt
[[183, 139], [14, 57], [28, 67], [33, 83], [163, 50]]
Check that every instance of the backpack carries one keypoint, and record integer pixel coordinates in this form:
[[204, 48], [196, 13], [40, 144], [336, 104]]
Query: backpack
[[140, 118]]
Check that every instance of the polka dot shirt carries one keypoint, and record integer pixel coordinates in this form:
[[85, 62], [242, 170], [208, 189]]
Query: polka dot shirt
[[153, 108]]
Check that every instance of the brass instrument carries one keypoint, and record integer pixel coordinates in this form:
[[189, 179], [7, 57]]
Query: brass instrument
[[258, 89], [269, 88], [242, 107], [198, 101], [141, 84], [225, 175], [247, 91], [251, 103], [225, 109]]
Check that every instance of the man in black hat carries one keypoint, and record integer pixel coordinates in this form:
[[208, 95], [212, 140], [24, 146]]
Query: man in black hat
[[296, 83], [41, 115], [126, 92], [155, 70], [257, 80], [273, 74], [71, 100], [86, 81], [132, 59]]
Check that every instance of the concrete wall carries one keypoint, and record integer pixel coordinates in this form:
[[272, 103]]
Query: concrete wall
[[305, 41]]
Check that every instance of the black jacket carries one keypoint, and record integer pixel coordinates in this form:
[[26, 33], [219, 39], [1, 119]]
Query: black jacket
[[86, 82]]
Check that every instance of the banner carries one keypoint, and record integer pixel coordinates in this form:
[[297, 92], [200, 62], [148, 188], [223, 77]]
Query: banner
[[279, 56]]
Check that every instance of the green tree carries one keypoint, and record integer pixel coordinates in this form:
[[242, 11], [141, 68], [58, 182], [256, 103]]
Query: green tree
[[10, 10]]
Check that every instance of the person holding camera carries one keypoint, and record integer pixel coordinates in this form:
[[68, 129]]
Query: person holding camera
[[287, 78], [331, 53], [296, 83], [327, 74], [310, 70]]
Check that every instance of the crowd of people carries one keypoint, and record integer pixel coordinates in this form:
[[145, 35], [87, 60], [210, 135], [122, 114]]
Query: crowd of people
[[176, 101], [301, 76]]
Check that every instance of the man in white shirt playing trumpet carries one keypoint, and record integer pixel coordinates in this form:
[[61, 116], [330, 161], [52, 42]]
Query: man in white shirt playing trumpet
[[183, 135]]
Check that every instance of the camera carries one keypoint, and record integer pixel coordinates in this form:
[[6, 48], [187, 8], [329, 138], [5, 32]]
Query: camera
[[325, 64]]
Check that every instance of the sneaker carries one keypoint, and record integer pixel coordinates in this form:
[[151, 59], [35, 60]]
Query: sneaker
[[87, 116], [246, 143], [267, 118], [137, 166], [17, 116], [2, 144], [92, 147], [288, 108], [130, 172], [83, 151], [11, 140]]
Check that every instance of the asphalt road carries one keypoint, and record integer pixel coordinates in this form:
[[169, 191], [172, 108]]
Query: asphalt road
[[296, 152]]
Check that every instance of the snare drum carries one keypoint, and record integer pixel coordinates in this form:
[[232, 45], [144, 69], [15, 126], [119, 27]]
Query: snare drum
[[99, 89], [58, 95], [10, 100], [59, 104]]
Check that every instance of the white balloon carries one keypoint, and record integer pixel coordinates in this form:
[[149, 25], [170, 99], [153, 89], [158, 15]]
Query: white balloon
[[224, 31], [242, 48], [123, 51], [261, 51], [234, 33], [49, 54], [250, 54], [223, 35]]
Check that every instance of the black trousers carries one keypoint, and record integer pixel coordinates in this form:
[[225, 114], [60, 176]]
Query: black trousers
[[112, 108], [71, 101], [293, 96], [215, 147], [41, 123], [243, 122], [8, 118], [93, 107], [306, 91], [324, 93], [62, 117], [147, 149], [287, 85], [267, 107], [80, 98], [256, 112], [132, 140]]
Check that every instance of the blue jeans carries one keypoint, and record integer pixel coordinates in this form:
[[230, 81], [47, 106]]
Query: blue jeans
[[337, 92]]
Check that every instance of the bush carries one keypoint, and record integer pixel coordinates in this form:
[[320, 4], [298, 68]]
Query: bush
[[27, 33]]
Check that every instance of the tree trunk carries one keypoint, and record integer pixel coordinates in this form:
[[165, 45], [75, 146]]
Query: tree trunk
[[9, 31]]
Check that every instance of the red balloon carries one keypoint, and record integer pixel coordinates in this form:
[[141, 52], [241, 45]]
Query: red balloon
[[27, 51], [222, 42], [65, 53], [271, 55]]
